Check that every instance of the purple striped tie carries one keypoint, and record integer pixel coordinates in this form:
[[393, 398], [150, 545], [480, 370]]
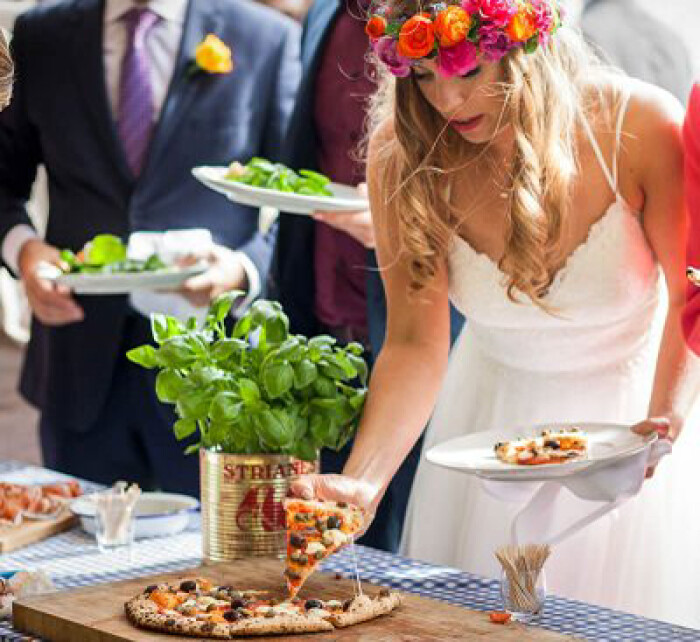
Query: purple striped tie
[[136, 110]]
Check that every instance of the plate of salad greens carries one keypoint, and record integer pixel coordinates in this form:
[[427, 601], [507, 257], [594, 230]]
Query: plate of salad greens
[[103, 266], [261, 183]]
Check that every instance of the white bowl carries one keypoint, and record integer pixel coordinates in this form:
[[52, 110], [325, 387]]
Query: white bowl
[[155, 514]]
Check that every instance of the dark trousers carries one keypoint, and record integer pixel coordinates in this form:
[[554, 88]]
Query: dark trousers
[[387, 527], [132, 440]]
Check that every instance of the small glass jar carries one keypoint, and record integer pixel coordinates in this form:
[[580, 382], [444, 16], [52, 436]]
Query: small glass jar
[[523, 594]]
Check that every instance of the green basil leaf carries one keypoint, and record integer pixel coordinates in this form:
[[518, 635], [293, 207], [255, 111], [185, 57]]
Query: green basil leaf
[[225, 407], [305, 373], [249, 391], [306, 451], [360, 366], [225, 349], [278, 379], [193, 448], [221, 306], [183, 428], [144, 356], [159, 327], [341, 360], [322, 340], [194, 404], [176, 352], [324, 387], [168, 386]]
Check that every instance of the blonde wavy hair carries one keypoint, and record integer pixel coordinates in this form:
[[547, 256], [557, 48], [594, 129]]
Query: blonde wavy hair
[[546, 96]]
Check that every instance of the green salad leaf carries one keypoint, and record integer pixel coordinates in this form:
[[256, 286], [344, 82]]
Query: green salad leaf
[[255, 388], [259, 172], [107, 254]]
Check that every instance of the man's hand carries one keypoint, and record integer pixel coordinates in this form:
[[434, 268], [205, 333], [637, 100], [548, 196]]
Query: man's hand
[[356, 224], [225, 273], [52, 304]]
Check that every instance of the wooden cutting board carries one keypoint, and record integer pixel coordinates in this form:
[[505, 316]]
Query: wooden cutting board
[[96, 614], [34, 530]]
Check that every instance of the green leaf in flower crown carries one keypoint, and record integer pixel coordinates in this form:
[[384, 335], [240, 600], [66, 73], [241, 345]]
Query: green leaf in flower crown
[[249, 391], [305, 373], [183, 428], [145, 356], [168, 386], [532, 44], [225, 407], [278, 379]]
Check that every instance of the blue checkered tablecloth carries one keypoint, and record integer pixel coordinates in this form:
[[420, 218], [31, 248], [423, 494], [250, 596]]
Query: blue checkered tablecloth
[[72, 561]]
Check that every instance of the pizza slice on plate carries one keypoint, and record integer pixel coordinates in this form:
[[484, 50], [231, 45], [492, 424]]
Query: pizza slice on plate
[[551, 447], [316, 530]]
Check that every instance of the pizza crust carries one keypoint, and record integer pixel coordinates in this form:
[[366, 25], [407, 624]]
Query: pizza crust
[[364, 608]]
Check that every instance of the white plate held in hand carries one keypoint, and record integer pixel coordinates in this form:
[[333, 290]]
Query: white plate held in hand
[[344, 199], [474, 454], [122, 283]]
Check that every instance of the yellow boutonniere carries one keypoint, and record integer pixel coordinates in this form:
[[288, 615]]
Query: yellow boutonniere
[[213, 56]]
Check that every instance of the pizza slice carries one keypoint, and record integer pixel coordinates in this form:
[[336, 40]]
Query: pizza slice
[[316, 530], [551, 447]]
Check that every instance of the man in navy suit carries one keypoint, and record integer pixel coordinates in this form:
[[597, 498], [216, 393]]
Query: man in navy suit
[[325, 270], [108, 100]]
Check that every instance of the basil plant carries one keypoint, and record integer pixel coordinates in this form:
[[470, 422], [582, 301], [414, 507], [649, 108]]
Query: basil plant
[[256, 388]]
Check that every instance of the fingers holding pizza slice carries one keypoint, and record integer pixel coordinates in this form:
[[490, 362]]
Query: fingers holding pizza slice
[[316, 530]]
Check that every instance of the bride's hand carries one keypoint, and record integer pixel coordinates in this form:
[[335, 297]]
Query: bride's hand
[[663, 426], [339, 488]]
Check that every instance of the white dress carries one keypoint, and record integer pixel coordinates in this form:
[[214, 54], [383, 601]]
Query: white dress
[[515, 365]]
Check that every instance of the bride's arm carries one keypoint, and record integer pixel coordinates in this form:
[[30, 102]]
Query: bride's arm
[[657, 120], [409, 370]]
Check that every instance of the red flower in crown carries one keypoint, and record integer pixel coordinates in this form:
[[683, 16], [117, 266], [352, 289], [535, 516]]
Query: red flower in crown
[[544, 18], [497, 12]]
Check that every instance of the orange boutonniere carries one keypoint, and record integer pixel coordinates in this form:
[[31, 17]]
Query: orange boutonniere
[[213, 56]]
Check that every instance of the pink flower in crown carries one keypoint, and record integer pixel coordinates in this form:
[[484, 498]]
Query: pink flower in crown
[[497, 12], [458, 60], [385, 50], [543, 15], [494, 43]]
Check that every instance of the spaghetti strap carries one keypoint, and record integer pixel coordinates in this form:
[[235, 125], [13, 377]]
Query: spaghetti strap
[[611, 178], [618, 134]]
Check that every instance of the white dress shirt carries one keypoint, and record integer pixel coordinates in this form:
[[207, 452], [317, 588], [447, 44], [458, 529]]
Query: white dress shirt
[[162, 47]]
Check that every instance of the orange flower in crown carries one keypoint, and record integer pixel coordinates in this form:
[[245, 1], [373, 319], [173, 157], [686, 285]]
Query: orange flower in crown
[[452, 26], [522, 26], [376, 27], [417, 37], [213, 56]]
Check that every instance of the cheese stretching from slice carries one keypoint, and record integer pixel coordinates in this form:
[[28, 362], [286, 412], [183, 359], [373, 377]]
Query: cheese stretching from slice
[[551, 447]]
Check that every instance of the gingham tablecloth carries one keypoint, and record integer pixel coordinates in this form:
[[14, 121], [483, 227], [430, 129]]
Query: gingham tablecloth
[[72, 561]]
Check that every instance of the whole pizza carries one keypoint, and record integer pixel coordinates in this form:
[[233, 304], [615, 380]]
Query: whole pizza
[[198, 608]]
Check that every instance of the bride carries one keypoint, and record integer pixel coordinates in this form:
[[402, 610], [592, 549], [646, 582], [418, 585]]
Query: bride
[[543, 195]]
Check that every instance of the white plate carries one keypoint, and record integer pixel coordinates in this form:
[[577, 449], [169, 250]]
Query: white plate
[[156, 514], [344, 199], [166, 279], [693, 275], [474, 454]]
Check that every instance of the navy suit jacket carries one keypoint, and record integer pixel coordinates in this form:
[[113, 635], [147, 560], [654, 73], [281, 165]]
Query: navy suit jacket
[[60, 117], [292, 274]]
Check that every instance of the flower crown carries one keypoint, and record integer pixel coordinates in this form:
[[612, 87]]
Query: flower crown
[[457, 32]]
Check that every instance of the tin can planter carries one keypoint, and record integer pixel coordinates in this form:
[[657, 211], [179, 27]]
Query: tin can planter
[[242, 503]]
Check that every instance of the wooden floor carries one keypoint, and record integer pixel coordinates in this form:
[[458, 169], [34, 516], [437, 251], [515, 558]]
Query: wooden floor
[[18, 421]]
